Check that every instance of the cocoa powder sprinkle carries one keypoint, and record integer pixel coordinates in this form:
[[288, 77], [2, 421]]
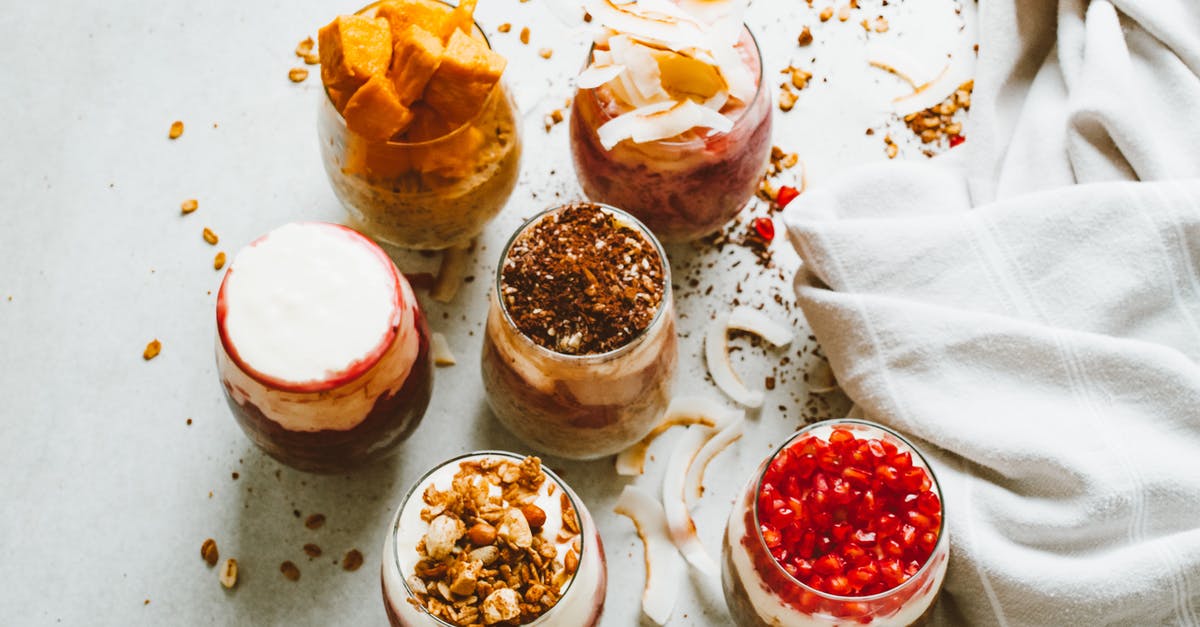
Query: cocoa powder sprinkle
[[581, 282]]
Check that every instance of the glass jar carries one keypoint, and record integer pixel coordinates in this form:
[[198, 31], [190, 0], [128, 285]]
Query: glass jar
[[581, 599], [427, 195], [359, 409], [579, 406], [684, 187], [759, 590]]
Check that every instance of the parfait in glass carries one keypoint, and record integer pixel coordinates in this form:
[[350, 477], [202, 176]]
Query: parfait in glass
[[495, 539], [842, 525], [419, 134], [580, 351], [671, 120]]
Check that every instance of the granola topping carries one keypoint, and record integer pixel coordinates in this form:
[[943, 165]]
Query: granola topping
[[582, 282], [499, 547]]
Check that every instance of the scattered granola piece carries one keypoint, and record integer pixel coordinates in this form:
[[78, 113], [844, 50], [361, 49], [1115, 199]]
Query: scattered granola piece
[[787, 98], [806, 37], [799, 77], [315, 521], [936, 122], [219, 261], [892, 148], [504, 28], [176, 130], [290, 571], [546, 53], [209, 236], [229, 573], [208, 550], [305, 47], [352, 561], [843, 13], [880, 25], [297, 74], [826, 13], [312, 550], [189, 206], [152, 350], [525, 35], [442, 355]]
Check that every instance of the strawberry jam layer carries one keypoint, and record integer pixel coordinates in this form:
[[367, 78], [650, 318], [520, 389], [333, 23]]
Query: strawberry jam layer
[[844, 524]]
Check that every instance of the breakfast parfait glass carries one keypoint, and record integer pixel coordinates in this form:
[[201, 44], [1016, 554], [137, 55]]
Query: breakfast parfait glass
[[685, 186], [475, 517], [842, 525], [437, 184], [599, 382], [322, 349]]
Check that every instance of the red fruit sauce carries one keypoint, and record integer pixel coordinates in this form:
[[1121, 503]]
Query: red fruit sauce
[[848, 516]]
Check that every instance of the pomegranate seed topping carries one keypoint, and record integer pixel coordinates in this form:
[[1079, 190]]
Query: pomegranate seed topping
[[954, 140], [787, 193], [765, 228], [848, 516]]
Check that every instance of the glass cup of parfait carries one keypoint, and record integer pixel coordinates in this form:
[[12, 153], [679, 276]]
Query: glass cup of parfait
[[671, 120], [580, 351], [419, 135], [493, 538], [842, 525], [322, 348]]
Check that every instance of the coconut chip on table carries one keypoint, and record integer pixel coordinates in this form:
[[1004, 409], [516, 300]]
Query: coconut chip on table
[[680, 524], [716, 350], [665, 567], [681, 411]]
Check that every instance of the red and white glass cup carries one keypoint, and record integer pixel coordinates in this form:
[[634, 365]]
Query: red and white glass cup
[[844, 524], [322, 348]]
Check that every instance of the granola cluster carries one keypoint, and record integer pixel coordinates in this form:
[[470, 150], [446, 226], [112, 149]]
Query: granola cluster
[[483, 558]]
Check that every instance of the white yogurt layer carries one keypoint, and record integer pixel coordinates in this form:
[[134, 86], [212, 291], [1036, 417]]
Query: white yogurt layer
[[574, 607], [307, 301]]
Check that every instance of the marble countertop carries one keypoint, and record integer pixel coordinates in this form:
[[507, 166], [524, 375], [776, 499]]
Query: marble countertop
[[115, 469]]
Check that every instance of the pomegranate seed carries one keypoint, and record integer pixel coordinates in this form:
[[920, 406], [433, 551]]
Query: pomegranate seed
[[865, 538], [919, 520], [765, 228], [857, 476], [927, 541], [908, 536], [889, 475], [876, 449], [928, 503], [787, 193], [771, 536], [840, 532], [830, 462], [828, 565], [805, 466], [891, 548], [902, 461], [891, 571], [887, 525], [915, 479], [840, 436], [838, 584], [863, 575], [955, 140], [855, 555]]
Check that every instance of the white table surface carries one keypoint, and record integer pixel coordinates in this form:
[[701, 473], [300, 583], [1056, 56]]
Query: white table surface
[[108, 494]]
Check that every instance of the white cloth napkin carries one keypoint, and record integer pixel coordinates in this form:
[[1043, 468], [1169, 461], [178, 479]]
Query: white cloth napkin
[[1030, 311]]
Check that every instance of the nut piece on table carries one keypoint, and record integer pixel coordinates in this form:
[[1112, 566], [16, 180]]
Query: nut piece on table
[[501, 605], [352, 49], [209, 552], [152, 350], [514, 529], [443, 532], [229, 573]]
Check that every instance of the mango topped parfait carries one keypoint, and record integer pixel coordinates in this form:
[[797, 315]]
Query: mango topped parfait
[[418, 134], [670, 121]]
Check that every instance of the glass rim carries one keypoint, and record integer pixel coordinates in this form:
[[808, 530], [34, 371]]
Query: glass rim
[[821, 593], [665, 304], [562, 485], [713, 133], [461, 128]]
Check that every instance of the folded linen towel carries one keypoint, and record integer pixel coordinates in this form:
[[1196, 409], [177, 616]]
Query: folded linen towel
[[1037, 327]]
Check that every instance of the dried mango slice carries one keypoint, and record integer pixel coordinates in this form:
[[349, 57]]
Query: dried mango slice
[[467, 74], [353, 48], [415, 58], [462, 18], [683, 75], [434, 17], [375, 110]]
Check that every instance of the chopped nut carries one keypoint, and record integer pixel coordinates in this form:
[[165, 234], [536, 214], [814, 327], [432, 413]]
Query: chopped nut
[[176, 130], [189, 206], [290, 571], [229, 573], [485, 555], [209, 552], [826, 13], [152, 350], [312, 550], [464, 582], [219, 261], [504, 28], [352, 561], [571, 560], [443, 532], [546, 53], [799, 77], [481, 534], [787, 98], [304, 47], [311, 58], [534, 515], [525, 35], [315, 521], [501, 605], [297, 74], [805, 37], [209, 236], [514, 529]]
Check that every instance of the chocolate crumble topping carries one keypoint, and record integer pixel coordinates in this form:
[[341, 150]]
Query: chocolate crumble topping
[[580, 282]]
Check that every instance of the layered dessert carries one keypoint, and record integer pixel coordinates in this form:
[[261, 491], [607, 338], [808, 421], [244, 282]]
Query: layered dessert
[[580, 350], [418, 134], [493, 539], [322, 348], [843, 525], [670, 121]]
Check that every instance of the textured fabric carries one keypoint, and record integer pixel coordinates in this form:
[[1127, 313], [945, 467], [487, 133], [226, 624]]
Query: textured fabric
[[1028, 307]]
